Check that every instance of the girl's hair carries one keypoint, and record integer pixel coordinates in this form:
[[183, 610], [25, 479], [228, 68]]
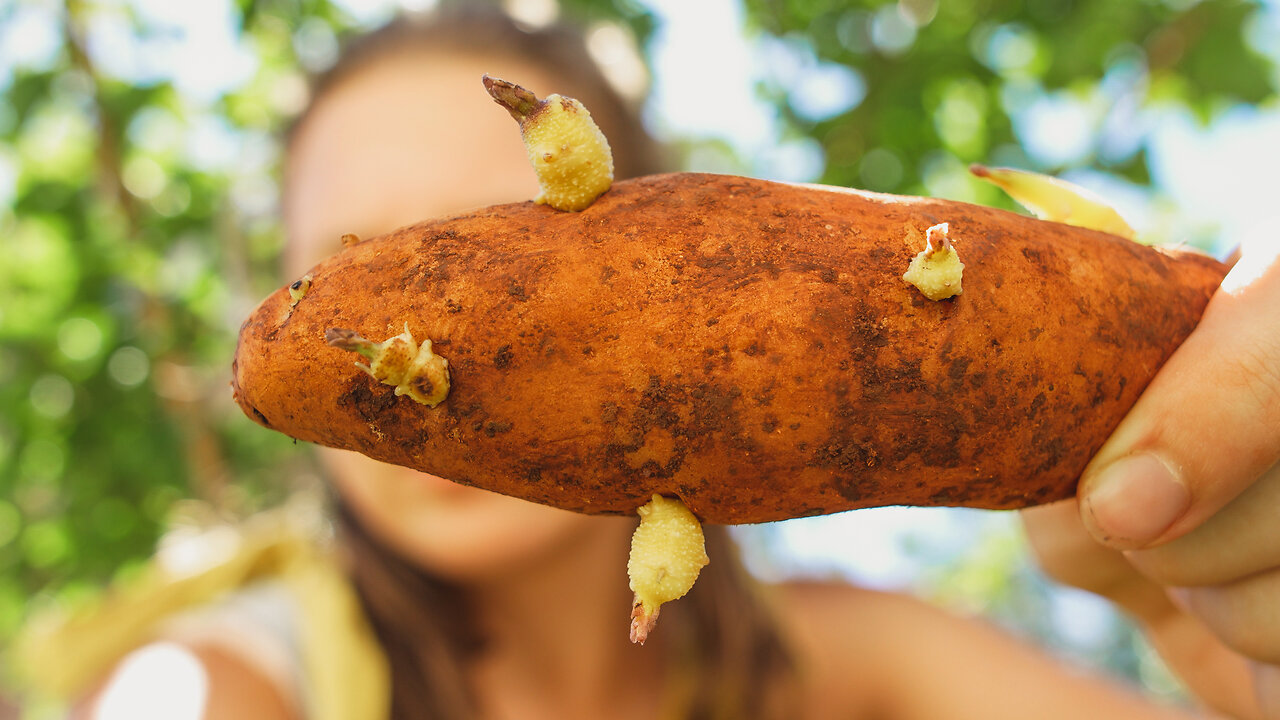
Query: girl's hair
[[728, 662], [729, 659], [481, 29]]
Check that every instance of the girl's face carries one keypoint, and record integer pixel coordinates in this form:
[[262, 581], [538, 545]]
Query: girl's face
[[411, 137]]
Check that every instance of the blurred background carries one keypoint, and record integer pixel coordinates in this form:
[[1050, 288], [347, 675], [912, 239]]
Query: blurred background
[[139, 223]]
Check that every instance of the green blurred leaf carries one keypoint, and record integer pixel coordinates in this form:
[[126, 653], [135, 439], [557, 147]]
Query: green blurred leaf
[[40, 275]]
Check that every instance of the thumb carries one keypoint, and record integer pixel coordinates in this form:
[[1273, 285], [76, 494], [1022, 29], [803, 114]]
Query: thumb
[[1206, 427]]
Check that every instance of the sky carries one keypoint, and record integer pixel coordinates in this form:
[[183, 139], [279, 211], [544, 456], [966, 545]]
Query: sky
[[1219, 177]]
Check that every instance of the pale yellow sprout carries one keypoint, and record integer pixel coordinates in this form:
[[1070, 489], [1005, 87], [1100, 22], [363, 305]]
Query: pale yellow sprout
[[667, 553], [410, 368], [570, 156], [298, 290], [936, 271], [1051, 198]]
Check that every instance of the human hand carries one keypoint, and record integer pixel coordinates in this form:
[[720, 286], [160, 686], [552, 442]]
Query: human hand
[[1188, 488]]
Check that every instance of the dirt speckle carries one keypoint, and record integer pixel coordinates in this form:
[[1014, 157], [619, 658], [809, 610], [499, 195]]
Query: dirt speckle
[[502, 358]]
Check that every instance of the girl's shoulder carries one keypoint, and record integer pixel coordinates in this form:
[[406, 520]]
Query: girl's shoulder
[[188, 679], [868, 653], [842, 638], [846, 622]]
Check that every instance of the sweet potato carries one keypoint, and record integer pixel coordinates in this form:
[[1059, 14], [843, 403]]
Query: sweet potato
[[747, 346]]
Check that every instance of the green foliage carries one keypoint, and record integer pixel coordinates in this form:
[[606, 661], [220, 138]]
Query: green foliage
[[945, 80], [126, 266]]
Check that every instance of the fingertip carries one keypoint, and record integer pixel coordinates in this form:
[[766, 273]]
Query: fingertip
[[1132, 502], [1266, 683], [1180, 597]]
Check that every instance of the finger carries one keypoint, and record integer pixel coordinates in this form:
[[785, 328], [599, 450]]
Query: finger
[[1206, 426], [1070, 556], [1240, 540], [1266, 679], [1244, 614], [1219, 677]]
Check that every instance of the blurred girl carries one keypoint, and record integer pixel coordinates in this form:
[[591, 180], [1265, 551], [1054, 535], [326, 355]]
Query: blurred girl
[[468, 604]]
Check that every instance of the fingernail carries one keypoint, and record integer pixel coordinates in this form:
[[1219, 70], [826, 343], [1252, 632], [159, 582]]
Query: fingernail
[[1132, 501]]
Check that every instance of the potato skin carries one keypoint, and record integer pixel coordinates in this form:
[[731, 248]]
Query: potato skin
[[747, 346]]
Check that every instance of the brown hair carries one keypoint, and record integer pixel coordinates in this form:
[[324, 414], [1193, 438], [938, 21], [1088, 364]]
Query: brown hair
[[480, 28], [729, 660]]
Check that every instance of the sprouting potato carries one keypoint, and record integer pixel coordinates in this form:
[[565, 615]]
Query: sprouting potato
[[747, 346], [750, 347]]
